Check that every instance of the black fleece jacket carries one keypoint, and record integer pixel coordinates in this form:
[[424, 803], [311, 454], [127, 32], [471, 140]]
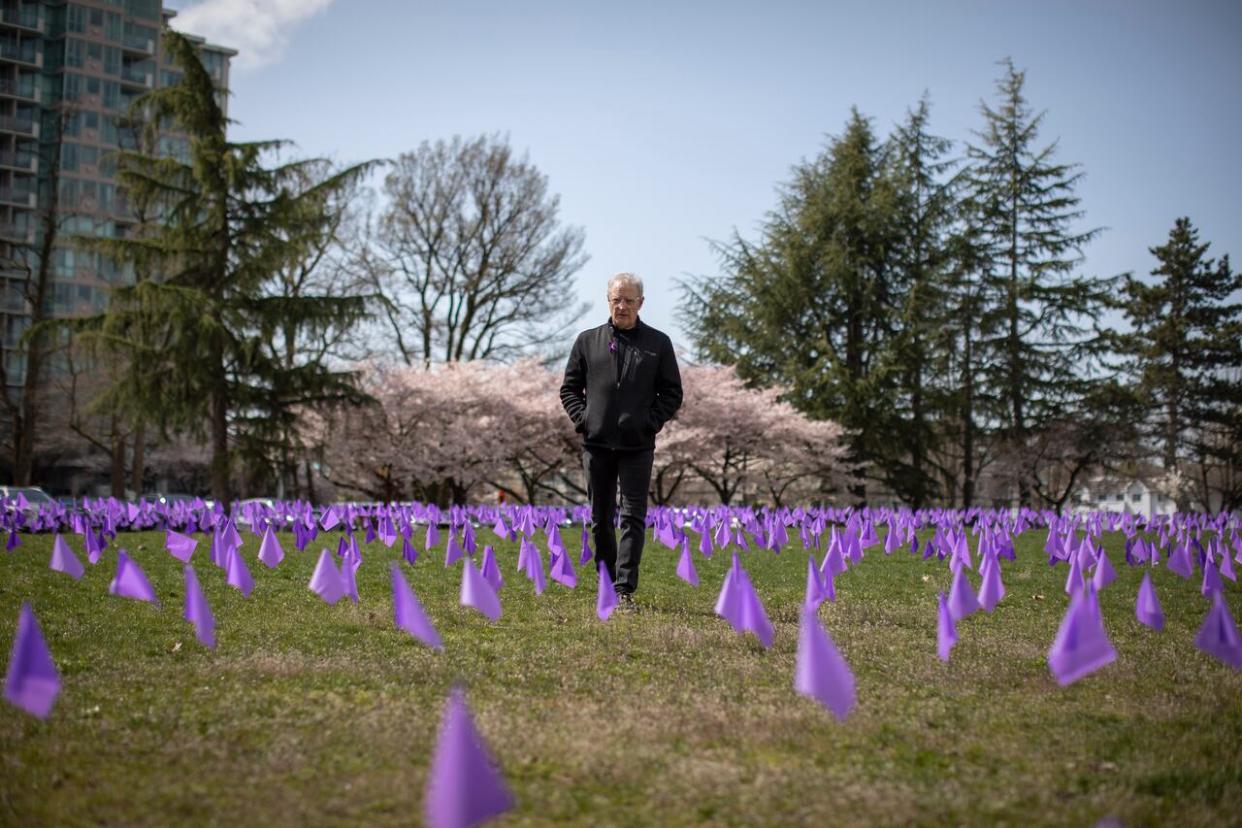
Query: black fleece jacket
[[619, 396]]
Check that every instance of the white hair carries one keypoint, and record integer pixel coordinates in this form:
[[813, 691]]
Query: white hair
[[627, 279]]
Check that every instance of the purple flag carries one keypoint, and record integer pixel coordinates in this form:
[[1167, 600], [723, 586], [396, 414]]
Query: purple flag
[[946, 631], [563, 570], [464, 786], [63, 559], [1226, 565], [962, 600], [1147, 607], [1104, 572], [179, 546], [408, 612], [327, 581], [269, 550], [130, 581], [1180, 562], [685, 565], [705, 542], [349, 571], [606, 597], [814, 595], [1074, 580], [32, 682], [728, 603], [491, 570], [754, 618], [237, 575], [453, 550], [821, 672], [197, 612], [477, 592], [1081, 646], [992, 590], [587, 554], [1211, 579], [1219, 635]]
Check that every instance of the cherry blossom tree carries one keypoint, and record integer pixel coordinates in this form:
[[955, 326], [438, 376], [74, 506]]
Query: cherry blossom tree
[[743, 441]]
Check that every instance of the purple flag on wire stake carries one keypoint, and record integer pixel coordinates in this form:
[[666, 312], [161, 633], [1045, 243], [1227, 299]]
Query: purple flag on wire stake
[[606, 597], [490, 569], [962, 599], [327, 581], [562, 570], [408, 613], [197, 611], [32, 682], [992, 590], [1211, 579], [685, 564], [754, 618], [821, 672], [63, 559], [237, 574], [464, 786], [476, 592], [1147, 606], [130, 581], [946, 631], [269, 550], [1219, 635], [814, 595], [1179, 561], [179, 546], [1104, 572], [1081, 646]]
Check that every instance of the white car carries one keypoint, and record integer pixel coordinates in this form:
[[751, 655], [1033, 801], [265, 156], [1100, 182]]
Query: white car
[[34, 496]]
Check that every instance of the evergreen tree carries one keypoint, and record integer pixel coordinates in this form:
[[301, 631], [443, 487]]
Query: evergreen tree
[[196, 334], [1185, 350], [812, 304], [1036, 315], [926, 238]]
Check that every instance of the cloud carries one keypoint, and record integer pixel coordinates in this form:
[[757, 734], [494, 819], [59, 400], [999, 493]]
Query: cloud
[[258, 29]]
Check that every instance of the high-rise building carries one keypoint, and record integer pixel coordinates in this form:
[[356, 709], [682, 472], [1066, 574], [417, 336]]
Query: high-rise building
[[68, 74]]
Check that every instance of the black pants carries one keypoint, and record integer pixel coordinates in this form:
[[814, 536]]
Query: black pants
[[630, 471]]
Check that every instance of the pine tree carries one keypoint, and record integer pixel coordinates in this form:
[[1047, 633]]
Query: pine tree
[[195, 335], [1036, 315], [926, 237], [812, 304], [1185, 351]]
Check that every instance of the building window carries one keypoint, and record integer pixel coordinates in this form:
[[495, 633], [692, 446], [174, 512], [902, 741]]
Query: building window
[[75, 18]]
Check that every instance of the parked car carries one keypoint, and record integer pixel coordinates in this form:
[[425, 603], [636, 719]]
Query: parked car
[[34, 496]]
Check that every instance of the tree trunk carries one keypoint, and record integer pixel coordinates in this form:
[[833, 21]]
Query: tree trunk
[[118, 461], [138, 470], [221, 490]]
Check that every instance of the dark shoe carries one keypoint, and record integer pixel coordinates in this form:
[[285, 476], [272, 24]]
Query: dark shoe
[[625, 603]]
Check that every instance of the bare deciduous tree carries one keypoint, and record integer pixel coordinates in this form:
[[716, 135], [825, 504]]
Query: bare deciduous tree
[[469, 255]]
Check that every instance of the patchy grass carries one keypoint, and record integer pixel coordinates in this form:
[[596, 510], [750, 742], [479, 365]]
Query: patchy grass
[[309, 714]]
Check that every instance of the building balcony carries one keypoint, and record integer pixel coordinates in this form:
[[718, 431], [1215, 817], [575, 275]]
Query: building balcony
[[13, 234], [138, 44], [28, 19], [25, 53], [17, 198], [10, 88], [22, 161], [22, 126], [132, 76]]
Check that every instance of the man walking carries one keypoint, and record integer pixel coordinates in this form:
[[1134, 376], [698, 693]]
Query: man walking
[[621, 386]]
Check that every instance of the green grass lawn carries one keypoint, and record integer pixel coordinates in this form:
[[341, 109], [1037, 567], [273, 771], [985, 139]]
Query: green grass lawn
[[310, 714]]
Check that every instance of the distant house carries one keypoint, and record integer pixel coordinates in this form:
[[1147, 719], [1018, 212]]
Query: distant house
[[1135, 496]]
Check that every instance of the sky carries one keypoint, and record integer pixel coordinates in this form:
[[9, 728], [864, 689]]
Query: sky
[[666, 125]]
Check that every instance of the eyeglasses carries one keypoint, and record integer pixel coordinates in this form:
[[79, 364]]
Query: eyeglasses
[[621, 301]]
